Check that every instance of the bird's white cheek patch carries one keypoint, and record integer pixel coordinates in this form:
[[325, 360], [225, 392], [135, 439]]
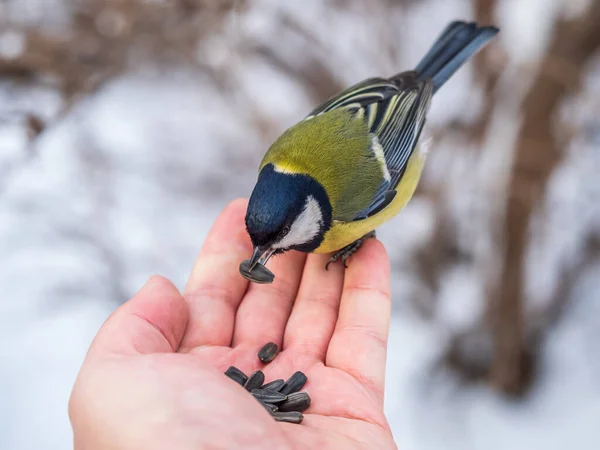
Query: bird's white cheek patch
[[306, 226]]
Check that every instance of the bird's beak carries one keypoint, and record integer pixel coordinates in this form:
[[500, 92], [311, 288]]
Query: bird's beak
[[260, 256], [254, 268]]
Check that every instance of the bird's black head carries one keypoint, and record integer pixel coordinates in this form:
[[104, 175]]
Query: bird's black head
[[286, 212]]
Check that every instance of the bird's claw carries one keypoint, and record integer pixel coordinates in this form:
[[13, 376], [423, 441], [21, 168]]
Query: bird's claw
[[346, 252]]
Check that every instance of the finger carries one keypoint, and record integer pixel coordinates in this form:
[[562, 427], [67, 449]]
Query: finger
[[359, 343], [315, 311], [153, 321], [215, 287], [263, 314]]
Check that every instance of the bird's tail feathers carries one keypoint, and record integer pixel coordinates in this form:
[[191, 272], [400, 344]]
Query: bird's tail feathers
[[455, 45]]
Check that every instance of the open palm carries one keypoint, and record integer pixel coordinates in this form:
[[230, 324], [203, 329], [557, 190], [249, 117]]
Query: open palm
[[154, 376]]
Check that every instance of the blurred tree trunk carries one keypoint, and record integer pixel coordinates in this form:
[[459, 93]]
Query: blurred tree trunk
[[107, 38], [536, 156]]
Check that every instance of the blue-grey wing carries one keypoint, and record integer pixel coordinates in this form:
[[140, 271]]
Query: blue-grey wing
[[364, 93]]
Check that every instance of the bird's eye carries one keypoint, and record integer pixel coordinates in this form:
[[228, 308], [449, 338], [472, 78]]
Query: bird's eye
[[285, 230]]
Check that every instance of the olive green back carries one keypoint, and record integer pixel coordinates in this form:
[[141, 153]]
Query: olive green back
[[334, 149]]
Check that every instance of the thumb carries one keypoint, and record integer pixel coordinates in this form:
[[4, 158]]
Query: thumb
[[153, 321]]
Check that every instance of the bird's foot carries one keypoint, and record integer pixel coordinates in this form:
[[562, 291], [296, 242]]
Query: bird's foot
[[345, 253]]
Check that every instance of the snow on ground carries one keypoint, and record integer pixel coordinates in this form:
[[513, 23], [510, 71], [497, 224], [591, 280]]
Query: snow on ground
[[128, 183], [433, 410]]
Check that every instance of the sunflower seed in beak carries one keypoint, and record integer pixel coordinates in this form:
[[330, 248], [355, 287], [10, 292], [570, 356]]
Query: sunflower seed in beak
[[259, 273], [255, 381], [236, 375], [268, 352]]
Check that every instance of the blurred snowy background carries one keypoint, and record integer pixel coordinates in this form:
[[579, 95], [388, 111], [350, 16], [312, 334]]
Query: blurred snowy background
[[127, 125]]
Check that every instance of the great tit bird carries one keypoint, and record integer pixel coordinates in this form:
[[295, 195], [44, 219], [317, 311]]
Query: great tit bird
[[353, 163]]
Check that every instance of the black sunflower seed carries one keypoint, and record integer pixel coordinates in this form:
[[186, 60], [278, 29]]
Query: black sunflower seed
[[298, 401], [294, 383], [259, 274], [236, 375], [268, 352], [274, 385], [255, 380], [290, 417], [269, 407], [268, 396]]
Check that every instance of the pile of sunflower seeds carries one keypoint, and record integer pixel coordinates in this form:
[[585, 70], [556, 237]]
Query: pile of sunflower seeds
[[282, 399]]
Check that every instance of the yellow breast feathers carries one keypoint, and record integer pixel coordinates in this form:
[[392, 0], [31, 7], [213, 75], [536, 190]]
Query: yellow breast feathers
[[344, 233]]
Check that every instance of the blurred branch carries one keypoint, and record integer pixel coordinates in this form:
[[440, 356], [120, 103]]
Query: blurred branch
[[310, 72], [106, 37], [540, 323], [536, 156], [444, 250], [486, 74]]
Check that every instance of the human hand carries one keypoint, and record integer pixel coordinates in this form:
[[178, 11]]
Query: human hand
[[154, 375]]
